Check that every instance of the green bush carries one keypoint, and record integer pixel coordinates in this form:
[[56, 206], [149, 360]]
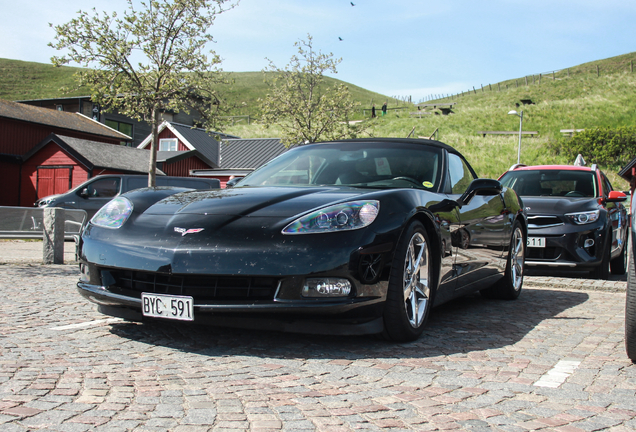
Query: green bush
[[612, 147]]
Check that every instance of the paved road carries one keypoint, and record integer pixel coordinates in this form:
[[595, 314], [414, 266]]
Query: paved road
[[554, 360]]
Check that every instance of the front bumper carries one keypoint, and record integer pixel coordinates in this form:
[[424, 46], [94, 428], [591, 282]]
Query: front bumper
[[240, 301], [568, 246]]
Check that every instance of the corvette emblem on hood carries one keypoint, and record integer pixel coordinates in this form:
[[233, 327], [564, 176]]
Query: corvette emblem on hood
[[184, 231]]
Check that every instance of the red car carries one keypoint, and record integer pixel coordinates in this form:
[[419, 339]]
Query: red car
[[576, 219]]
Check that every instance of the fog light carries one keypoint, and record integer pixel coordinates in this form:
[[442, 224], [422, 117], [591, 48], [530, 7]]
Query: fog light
[[588, 243], [326, 287]]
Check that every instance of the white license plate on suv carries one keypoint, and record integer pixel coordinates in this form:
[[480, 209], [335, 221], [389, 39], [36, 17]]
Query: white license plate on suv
[[537, 242], [167, 306]]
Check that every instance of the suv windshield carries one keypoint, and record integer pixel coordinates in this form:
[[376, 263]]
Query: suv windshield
[[567, 183], [366, 164]]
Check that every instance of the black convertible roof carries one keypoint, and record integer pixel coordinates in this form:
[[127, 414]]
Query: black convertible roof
[[396, 140]]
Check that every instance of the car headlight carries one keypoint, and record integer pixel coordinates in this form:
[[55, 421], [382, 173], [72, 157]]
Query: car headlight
[[340, 217], [582, 218], [43, 203], [114, 214]]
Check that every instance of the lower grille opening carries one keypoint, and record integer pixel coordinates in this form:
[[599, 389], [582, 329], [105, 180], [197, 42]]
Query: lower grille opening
[[547, 253], [201, 288]]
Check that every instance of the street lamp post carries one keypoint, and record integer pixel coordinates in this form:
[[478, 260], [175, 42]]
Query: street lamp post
[[513, 112]]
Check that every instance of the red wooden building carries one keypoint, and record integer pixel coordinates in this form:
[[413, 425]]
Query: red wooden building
[[185, 148], [59, 163], [24, 127]]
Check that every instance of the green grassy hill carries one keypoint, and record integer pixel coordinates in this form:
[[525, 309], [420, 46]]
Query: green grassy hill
[[596, 94], [21, 80]]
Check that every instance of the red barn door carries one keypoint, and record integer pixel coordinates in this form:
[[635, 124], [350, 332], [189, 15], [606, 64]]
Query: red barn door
[[53, 180]]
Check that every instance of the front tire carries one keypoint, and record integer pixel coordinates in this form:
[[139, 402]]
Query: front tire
[[509, 287], [618, 265], [602, 271], [410, 291], [630, 313]]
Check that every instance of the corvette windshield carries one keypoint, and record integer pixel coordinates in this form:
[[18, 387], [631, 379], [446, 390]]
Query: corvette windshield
[[568, 183], [368, 164]]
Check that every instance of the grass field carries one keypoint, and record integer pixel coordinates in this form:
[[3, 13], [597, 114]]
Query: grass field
[[596, 94]]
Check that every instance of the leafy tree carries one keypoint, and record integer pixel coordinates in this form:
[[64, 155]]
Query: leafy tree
[[149, 61], [306, 108]]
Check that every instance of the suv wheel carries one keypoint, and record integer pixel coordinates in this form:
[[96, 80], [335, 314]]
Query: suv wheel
[[618, 265]]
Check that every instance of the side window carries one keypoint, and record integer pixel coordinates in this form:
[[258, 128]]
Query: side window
[[459, 174], [607, 187], [104, 188]]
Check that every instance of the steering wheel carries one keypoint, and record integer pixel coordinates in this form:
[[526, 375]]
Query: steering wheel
[[575, 194], [408, 179]]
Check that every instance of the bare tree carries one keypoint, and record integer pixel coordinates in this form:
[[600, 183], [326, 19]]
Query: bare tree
[[306, 107]]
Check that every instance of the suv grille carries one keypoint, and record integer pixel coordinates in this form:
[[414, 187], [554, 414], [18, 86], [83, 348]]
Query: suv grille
[[201, 288], [543, 221]]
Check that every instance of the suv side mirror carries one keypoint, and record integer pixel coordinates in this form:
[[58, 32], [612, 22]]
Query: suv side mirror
[[84, 193], [231, 183], [480, 187], [616, 196]]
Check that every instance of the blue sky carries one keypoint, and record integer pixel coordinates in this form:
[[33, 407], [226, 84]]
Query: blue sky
[[397, 48]]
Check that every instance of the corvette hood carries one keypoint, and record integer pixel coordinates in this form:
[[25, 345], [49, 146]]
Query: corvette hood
[[255, 202], [558, 205]]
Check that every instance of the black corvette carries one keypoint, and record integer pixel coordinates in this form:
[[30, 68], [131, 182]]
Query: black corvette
[[348, 237]]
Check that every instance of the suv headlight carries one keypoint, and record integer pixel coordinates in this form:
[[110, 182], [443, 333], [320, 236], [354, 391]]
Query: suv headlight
[[114, 214], [44, 203], [583, 218], [340, 217]]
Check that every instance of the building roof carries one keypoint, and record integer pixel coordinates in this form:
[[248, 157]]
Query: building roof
[[627, 172], [93, 154], [203, 142], [60, 119], [164, 156], [249, 153]]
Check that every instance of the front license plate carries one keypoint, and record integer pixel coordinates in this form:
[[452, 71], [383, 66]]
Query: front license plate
[[537, 242], [167, 306]]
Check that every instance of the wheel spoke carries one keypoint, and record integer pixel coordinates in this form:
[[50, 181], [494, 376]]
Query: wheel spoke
[[516, 259], [415, 282]]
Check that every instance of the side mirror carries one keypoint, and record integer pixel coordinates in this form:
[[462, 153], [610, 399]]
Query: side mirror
[[84, 193], [231, 183], [616, 196], [480, 187]]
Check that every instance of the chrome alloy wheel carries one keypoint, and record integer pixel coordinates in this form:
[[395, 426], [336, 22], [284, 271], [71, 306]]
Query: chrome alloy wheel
[[517, 253], [416, 283]]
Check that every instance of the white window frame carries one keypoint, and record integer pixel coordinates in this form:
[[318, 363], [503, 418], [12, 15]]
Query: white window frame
[[170, 143]]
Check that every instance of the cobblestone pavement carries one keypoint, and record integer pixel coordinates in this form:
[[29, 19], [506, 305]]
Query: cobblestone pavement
[[552, 360]]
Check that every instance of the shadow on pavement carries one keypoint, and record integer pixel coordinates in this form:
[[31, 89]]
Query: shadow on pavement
[[467, 324], [571, 274]]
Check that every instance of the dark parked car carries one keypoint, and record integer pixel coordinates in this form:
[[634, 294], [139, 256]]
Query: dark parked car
[[630, 304], [349, 237], [575, 218], [97, 191]]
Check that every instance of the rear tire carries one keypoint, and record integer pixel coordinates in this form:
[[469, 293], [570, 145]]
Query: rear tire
[[630, 313], [509, 287], [410, 291], [618, 265]]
